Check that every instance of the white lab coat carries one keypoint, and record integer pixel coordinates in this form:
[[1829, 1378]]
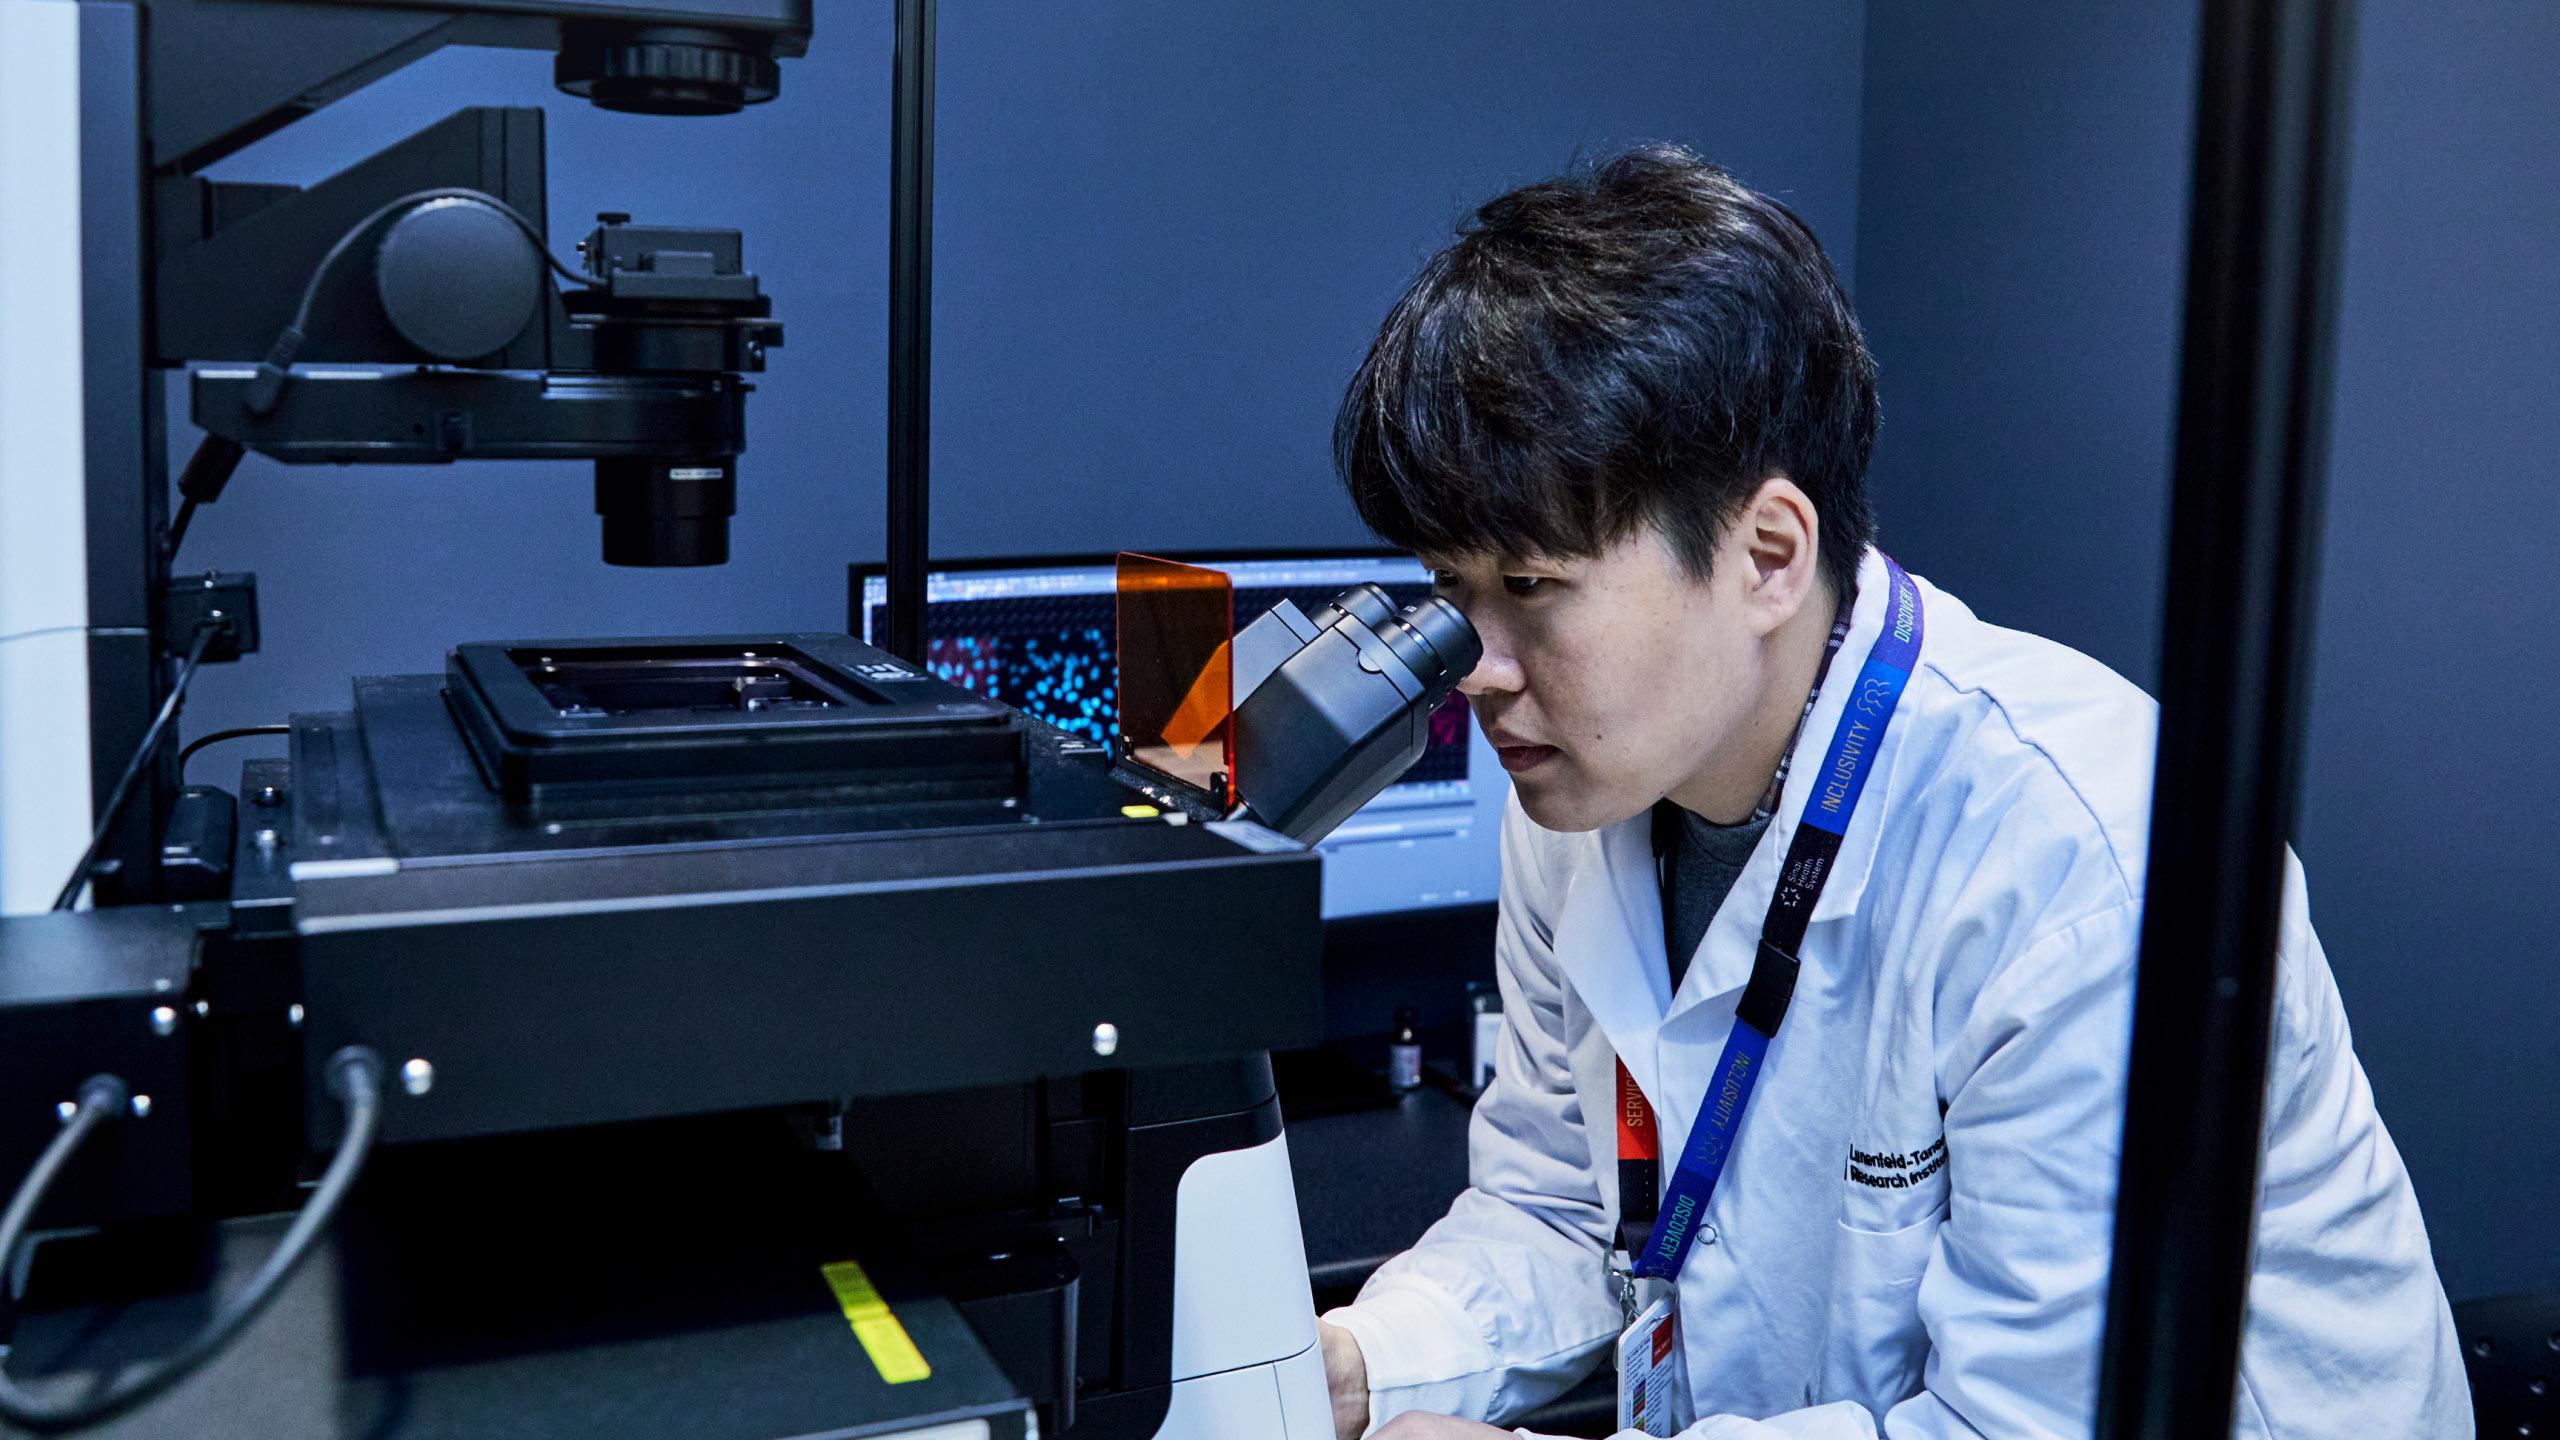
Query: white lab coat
[[1968, 978]]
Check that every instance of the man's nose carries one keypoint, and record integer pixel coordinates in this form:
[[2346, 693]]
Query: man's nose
[[1496, 674]]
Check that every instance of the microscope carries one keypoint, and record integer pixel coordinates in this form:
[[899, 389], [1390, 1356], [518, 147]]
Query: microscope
[[740, 1035]]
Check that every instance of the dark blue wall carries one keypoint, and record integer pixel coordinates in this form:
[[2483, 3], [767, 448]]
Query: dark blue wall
[[2021, 222], [1164, 232], [2428, 802]]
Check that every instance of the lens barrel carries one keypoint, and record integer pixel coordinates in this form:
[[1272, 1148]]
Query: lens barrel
[[1434, 640], [667, 512], [1364, 602]]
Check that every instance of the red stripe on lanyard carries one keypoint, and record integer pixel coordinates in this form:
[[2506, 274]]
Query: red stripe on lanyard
[[1638, 1137]]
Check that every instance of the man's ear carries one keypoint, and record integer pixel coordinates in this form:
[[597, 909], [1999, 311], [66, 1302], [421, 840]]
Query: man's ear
[[1778, 536]]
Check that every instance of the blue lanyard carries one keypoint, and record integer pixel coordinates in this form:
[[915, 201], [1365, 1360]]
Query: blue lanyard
[[1876, 693]]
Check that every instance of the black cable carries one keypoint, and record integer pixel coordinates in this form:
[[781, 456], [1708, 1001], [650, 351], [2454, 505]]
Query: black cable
[[273, 371], [178, 527], [208, 470], [133, 768], [236, 732], [355, 1078]]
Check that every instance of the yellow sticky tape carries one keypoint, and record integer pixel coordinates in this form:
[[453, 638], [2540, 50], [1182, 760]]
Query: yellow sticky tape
[[1140, 812], [891, 1350], [886, 1341]]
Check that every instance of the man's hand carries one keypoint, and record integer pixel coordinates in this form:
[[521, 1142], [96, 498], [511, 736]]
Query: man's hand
[[1414, 1425], [1346, 1374]]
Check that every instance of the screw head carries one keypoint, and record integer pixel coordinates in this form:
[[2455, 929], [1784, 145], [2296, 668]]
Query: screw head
[[141, 1107], [267, 838], [293, 1016], [418, 1077], [203, 1008], [267, 795], [164, 1021], [1106, 1038]]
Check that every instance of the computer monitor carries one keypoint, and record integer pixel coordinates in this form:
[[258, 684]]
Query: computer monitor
[[1038, 635]]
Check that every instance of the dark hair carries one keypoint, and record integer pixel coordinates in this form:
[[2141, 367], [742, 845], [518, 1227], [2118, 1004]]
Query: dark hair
[[1644, 341]]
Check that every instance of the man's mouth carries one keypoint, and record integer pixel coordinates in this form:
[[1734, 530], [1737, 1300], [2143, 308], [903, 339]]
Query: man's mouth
[[1519, 759]]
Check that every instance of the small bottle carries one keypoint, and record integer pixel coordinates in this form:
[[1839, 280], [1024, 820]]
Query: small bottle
[[1484, 1008], [1404, 1052]]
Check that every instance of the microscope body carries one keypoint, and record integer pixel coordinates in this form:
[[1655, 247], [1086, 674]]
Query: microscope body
[[915, 960], [861, 931]]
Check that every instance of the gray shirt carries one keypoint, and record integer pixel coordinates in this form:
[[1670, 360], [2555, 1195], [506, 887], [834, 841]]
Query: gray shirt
[[1705, 861]]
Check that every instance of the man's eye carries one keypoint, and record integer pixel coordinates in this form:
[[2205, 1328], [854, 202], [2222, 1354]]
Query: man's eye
[[1524, 584]]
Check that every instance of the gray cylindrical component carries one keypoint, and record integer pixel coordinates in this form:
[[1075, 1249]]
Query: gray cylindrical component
[[457, 279], [1435, 642], [1445, 627], [667, 512], [1364, 602]]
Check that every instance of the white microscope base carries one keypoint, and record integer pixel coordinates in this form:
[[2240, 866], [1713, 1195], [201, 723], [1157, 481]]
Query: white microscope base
[[1245, 1361]]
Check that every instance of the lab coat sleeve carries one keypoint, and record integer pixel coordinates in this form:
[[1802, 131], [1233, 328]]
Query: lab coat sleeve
[[1506, 1301]]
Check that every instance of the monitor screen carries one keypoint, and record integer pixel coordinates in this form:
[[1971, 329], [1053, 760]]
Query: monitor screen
[[1038, 637]]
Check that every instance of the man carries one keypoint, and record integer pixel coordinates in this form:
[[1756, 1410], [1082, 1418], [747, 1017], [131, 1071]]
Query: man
[[1815, 886]]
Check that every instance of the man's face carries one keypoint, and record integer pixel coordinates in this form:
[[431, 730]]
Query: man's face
[[1609, 682]]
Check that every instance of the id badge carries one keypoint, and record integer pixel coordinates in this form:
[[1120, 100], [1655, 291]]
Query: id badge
[[1649, 1371]]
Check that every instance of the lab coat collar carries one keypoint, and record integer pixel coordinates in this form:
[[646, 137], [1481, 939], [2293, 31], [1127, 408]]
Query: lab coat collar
[[1608, 934], [1608, 939]]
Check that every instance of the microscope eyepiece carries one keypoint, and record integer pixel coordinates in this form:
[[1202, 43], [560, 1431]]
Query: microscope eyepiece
[[1364, 602], [1434, 640]]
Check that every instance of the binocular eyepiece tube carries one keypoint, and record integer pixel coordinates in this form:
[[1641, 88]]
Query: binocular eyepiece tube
[[1349, 709]]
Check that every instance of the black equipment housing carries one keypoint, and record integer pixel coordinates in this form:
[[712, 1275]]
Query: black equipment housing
[[908, 953], [641, 370], [968, 877], [177, 270]]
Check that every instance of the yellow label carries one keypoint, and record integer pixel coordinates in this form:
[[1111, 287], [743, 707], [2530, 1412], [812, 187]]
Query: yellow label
[[882, 1337], [1140, 812]]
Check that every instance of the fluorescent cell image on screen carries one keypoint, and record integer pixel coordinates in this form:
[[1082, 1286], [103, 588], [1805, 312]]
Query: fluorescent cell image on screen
[[1048, 656]]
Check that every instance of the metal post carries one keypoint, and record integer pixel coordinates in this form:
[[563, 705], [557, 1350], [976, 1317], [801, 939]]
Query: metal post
[[125, 480], [910, 324], [2253, 408]]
